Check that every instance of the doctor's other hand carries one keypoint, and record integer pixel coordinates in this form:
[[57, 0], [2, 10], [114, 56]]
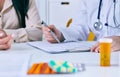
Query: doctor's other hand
[[5, 40], [49, 37], [115, 44]]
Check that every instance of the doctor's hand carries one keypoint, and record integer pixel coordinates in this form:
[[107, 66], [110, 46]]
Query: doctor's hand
[[49, 37], [115, 44]]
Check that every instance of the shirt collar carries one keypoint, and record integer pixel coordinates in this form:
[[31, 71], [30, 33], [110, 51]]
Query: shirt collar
[[7, 5]]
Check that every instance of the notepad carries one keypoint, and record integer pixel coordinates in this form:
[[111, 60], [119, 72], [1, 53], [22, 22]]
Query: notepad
[[82, 46], [14, 65]]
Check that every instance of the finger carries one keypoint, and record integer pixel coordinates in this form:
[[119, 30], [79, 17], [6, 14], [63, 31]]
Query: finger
[[2, 34], [44, 29], [51, 39], [94, 47], [9, 43], [46, 32], [115, 48], [4, 46], [52, 27], [5, 40], [48, 36], [113, 44], [97, 49]]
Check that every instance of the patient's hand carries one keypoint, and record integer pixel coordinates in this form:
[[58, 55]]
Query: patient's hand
[[2, 34], [5, 40]]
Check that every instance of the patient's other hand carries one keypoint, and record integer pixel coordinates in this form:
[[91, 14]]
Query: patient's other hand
[[2, 34]]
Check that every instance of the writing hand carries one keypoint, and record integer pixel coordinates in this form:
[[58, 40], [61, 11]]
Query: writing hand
[[48, 36]]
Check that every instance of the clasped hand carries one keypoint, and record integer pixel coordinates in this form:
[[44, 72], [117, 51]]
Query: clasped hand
[[5, 40]]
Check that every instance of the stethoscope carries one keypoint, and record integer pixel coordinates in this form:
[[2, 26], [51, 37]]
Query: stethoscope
[[98, 25]]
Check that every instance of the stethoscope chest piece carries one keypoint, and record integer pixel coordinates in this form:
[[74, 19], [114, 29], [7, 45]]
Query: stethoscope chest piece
[[98, 26]]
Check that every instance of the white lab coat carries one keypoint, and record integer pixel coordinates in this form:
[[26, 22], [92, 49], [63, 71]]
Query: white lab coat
[[87, 16]]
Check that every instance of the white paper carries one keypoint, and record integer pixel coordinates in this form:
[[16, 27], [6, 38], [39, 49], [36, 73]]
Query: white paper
[[62, 47], [14, 65]]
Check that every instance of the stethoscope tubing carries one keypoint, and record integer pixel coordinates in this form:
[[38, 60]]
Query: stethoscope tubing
[[98, 25]]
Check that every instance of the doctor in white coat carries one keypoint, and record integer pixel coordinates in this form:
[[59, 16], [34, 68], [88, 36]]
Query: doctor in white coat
[[102, 17]]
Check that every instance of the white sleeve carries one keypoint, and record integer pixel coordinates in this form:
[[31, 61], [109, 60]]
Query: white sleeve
[[78, 30]]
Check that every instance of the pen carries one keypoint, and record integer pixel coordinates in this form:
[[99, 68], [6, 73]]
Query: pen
[[53, 34]]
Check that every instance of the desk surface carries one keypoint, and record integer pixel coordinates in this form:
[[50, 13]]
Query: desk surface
[[91, 60]]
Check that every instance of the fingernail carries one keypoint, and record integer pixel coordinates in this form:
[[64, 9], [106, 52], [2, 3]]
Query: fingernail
[[49, 30], [96, 51], [13, 35], [1, 34]]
